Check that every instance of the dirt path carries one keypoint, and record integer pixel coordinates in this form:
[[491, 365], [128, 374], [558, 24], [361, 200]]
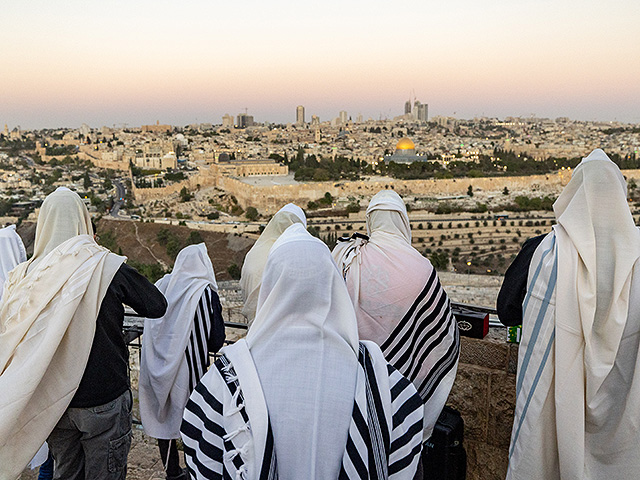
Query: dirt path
[[160, 261]]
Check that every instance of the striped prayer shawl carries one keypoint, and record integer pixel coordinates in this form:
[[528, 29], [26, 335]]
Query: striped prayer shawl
[[375, 449], [197, 351], [425, 345], [533, 427]]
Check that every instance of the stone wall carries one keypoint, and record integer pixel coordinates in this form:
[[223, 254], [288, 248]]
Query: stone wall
[[270, 198], [191, 183], [484, 393]]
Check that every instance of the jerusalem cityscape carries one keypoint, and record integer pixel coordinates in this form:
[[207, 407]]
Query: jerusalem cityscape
[[338, 240]]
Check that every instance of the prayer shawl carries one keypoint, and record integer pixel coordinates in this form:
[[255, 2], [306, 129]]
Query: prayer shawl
[[227, 431], [578, 383], [256, 258], [400, 303], [12, 252], [47, 323], [174, 347], [298, 371]]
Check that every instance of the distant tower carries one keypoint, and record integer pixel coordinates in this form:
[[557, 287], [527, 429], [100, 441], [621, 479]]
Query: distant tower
[[227, 121], [315, 120], [407, 107], [317, 135], [300, 115], [343, 117], [359, 118], [6, 131]]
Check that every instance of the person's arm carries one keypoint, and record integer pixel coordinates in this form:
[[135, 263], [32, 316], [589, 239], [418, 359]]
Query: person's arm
[[217, 334], [139, 293], [514, 286]]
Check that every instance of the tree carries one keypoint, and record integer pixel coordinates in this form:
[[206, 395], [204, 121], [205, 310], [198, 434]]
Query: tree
[[86, 181], [194, 238], [470, 191], [234, 271], [251, 214], [185, 196], [505, 191]]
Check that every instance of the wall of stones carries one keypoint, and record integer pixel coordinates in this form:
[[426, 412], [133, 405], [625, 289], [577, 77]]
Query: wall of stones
[[270, 198], [484, 393], [191, 183]]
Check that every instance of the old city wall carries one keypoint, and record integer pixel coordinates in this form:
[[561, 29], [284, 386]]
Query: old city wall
[[191, 183], [269, 198]]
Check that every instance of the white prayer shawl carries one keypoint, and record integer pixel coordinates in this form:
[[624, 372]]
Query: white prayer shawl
[[578, 384], [47, 323], [304, 342], [12, 252], [400, 304], [164, 373], [228, 433], [256, 258]]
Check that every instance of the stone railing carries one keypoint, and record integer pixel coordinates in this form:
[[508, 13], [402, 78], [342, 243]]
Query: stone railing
[[484, 392]]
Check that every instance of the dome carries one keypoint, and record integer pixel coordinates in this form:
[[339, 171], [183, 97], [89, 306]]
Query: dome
[[405, 144]]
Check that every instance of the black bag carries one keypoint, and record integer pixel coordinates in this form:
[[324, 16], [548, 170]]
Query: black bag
[[443, 455]]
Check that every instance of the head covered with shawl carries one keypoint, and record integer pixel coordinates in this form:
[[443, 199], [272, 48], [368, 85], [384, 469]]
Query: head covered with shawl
[[578, 385], [164, 373], [47, 324], [400, 304], [304, 343], [12, 252], [256, 258], [62, 216]]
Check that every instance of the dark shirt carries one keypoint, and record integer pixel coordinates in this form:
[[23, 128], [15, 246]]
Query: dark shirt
[[514, 286], [106, 376]]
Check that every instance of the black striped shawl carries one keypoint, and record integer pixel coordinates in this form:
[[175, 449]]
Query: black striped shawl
[[383, 443], [426, 335]]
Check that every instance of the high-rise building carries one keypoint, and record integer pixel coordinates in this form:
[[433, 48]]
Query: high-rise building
[[315, 120], [343, 117], [300, 115], [244, 120], [407, 107], [421, 111], [359, 118], [227, 121]]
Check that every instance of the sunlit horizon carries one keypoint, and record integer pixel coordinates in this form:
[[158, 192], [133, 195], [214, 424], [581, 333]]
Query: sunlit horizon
[[193, 62]]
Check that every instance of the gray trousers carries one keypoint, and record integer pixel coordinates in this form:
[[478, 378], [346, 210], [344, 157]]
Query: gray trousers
[[93, 443]]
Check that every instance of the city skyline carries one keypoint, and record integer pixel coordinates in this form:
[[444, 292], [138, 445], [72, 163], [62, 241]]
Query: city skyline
[[104, 64]]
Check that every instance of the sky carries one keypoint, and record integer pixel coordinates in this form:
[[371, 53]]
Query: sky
[[115, 62]]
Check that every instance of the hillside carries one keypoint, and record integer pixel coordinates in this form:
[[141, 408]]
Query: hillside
[[151, 248]]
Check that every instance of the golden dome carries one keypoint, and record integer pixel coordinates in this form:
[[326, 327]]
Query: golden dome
[[405, 144]]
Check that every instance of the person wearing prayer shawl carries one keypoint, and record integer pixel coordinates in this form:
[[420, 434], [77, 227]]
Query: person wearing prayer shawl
[[257, 257], [300, 397], [12, 252], [578, 382], [63, 360], [175, 349], [400, 304]]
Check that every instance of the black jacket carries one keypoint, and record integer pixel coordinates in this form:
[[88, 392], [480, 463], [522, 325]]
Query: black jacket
[[106, 376]]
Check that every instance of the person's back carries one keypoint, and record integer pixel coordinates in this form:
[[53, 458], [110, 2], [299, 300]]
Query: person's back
[[176, 348], [400, 304], [578, 385], [58, 297]]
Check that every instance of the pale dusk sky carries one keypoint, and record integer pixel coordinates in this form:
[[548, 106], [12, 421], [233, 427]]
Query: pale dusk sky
[[64, 63]]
